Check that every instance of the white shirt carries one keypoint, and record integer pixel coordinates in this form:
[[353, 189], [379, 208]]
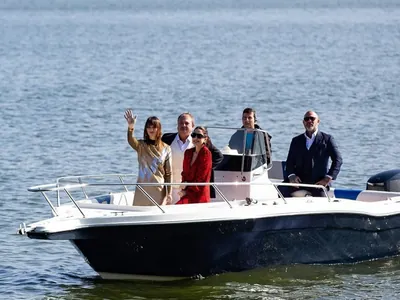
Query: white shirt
[[184, 145], [178, 149], [310, 141]]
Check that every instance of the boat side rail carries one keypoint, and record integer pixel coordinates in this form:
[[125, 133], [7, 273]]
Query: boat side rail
[[80, 179], [68, 187]]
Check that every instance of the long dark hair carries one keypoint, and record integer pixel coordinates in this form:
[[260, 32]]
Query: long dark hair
[[208, 142], [155, 122]]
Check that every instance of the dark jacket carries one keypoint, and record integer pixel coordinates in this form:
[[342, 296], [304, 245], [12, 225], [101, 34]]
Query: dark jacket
[[312, 165], [168, 138]]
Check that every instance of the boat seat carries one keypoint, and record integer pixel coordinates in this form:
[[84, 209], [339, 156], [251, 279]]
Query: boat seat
[[301, 193], [124, 198], [104, 199]]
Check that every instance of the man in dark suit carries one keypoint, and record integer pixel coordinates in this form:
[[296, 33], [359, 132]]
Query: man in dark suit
[[181, 141], [309, 153]]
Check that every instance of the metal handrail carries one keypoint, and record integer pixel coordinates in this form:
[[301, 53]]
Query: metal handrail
[[49, 202], [122, 180], [73, 200], [96, 176], [303, 185], [222, 195], [56, 187], [149, 197], [83, 190]]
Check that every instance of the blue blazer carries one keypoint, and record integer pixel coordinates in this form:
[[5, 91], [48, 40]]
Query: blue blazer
[[312, 165]]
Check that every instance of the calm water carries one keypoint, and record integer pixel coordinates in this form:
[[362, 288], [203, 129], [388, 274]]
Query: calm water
[[70, 68]]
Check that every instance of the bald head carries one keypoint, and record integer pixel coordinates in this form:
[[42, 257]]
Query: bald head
[[311, 122]]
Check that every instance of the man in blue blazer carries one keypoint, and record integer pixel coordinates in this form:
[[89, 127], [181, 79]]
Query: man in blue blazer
[[309, 153]]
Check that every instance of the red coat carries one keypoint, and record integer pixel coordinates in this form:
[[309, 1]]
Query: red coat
[[200, 171]]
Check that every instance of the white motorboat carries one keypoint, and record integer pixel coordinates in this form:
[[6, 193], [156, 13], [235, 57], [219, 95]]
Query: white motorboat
[[248, 225]]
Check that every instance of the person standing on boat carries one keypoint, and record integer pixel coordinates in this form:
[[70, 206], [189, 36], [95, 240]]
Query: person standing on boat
[[155, 161], [309, 153], [181, 141], [197, 166], [249, 121]]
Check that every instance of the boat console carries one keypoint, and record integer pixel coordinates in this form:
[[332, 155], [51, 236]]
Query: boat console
[[245, 162]]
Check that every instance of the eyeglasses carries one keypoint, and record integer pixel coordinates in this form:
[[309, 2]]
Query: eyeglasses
[[198, 135], [309, 118]]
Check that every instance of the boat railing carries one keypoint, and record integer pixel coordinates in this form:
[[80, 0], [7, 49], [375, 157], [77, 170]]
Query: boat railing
[[75, 183]]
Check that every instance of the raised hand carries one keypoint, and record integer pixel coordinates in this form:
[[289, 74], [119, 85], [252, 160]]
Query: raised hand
[[130, 118]]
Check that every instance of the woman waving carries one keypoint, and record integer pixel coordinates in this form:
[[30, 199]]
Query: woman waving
[[154, 158]]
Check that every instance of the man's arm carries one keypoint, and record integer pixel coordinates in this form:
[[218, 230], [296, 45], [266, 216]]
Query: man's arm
[[336, 158], [291, 159], [217, 155]]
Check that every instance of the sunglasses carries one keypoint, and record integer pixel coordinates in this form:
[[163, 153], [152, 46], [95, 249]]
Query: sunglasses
[[198, 135], [309, 118]]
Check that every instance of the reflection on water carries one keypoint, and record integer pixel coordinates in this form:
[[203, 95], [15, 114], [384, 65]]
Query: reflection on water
[[283, 282]]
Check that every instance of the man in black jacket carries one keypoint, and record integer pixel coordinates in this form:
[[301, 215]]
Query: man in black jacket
[[309, 153]]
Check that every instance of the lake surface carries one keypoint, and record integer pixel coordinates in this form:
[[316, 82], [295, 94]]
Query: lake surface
[[69, 69]]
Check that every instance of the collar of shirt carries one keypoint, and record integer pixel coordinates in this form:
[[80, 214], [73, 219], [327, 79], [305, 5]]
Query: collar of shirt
[[310, 141], [183, 145]]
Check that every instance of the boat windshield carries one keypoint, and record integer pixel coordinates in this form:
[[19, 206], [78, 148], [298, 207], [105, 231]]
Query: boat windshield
[[248, 148]]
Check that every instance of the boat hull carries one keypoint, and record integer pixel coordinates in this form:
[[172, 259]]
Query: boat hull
[[205, 248]]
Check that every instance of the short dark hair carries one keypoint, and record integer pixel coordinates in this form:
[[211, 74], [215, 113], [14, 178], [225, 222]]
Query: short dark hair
[[249, 110]]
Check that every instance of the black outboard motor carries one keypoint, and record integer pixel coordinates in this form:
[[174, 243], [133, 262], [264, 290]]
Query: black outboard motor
[[385, 181]]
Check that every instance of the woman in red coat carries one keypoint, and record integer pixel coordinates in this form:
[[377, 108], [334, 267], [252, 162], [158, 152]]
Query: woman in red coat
[[197, 164]]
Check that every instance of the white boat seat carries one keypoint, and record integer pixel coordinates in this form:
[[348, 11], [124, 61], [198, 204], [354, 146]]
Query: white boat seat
[[301, 193]]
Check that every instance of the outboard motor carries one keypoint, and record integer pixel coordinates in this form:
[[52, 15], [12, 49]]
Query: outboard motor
[[385, 181]]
